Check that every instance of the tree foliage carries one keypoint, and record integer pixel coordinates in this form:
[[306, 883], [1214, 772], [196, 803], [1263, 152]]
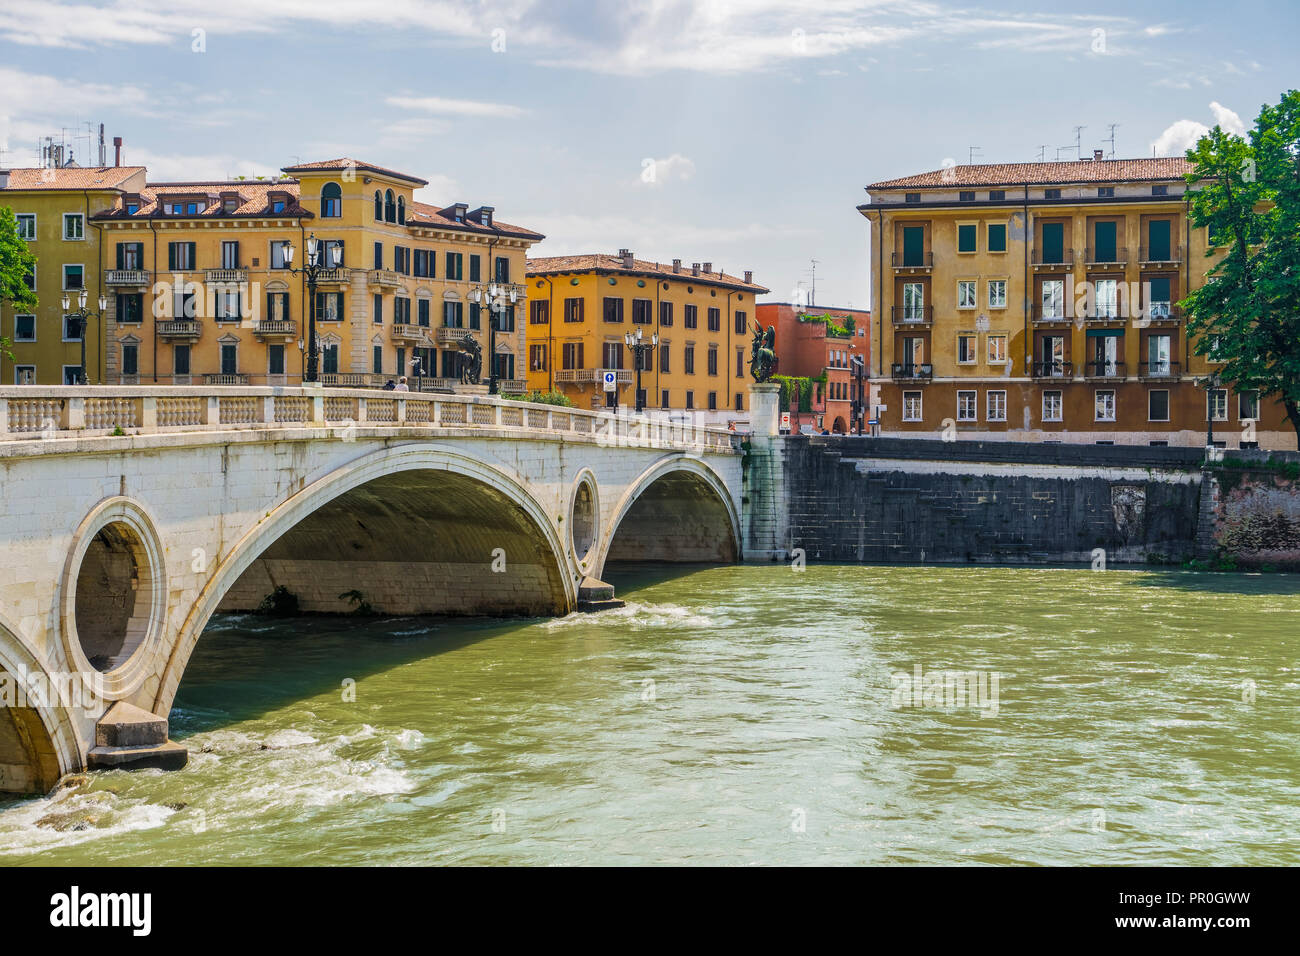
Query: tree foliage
[[1247, 191], [16, 264]]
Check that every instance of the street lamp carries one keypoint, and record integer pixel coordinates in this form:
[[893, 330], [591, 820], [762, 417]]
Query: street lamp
[[82, 314], [495, 297], [312, 269], [1210, 382], [639, 348]]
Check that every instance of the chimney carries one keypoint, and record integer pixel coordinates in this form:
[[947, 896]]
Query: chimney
[[677, 265], [708, 267], [749, 277], [117, 151], [1096, 155], [4, 179], [695, 268], [626, 256]]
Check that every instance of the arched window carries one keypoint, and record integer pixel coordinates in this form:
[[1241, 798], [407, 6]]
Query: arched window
[[379, 206], [390, 207], [401, 209], [331, 201]]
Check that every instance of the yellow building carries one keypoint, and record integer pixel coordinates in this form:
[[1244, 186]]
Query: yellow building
[[582, 308], [1039, 301], [56, 210], [206, 282]]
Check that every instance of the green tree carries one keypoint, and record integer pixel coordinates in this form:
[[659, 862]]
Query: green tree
[[16, 264], [1248, 311]]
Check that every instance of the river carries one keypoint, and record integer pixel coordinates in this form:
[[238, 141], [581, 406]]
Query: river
[[733, 715]]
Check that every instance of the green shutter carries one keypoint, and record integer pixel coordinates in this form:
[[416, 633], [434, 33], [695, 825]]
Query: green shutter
[[966, 238], [1053, 242], [1159, 289], [1105, 333], [1158, 240], [1104, 246], [997, 237], [913, 246], [171, 256]]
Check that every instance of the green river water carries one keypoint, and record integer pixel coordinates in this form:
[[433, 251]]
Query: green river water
[[734, 715]]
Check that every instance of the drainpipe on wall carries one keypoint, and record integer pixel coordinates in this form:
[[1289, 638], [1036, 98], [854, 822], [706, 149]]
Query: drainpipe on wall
[[1027, 297], [153, 306], [729, 394]]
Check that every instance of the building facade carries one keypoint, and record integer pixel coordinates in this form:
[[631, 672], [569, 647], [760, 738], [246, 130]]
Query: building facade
[[582, 307], [56, 209], [1039, 301], [809, 344]]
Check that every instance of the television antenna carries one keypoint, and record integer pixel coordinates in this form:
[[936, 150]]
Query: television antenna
[[970, 154], [812, 291], [1112, 127], [1078, 140]]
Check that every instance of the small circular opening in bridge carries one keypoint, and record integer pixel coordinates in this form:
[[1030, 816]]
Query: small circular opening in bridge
[[113, 596], [583, 518]]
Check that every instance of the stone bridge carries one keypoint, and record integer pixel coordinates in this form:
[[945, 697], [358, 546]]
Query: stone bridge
[[132, 515]]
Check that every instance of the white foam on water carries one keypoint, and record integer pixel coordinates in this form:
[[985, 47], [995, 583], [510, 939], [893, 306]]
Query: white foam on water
[[637, 615], [101, 813]]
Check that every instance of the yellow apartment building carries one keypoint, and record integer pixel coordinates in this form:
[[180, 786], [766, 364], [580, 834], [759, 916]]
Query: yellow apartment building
[[582, 308], [56, 209], [1039, 301]]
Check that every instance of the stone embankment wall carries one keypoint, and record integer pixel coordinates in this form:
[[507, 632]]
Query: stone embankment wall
[[1252, 513]]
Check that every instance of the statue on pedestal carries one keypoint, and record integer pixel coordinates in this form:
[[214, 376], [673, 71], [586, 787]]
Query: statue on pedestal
[[762, 353]]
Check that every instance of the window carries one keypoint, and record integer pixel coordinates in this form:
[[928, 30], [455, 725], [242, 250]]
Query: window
[[1248, 406], [997, 195], [379, 207], [913, 246], [185, 302], [913, 302], [1053, 298], [331, 201], [997, 406], [612, 356], [690, 399], [377, 359], [1051, 194], [1105, 192], [1106, 293], [401, 210], [911, 197], [180, 360], [401, 309], [402, 260], [501, 269], [740, 363], [689, 360], [277, 205], [966, 195], [1159, 354], [24, 328], [664, 359], [277, 306], [130, 359], [713, 360], [997, 293], [539, 312], [225, 305], [663, 399], [230, 254], [573, 309], [537, 358], [715, 320], [966, 406], [613, 308], [966, 293], [742, 322], [24, 374], [967, 237], [378, 309], [713, 401], [74, 226], [229, 359], [997, 350], [475, 315], [1217, 404], [1159, 244], [453, 315], [506, 319], [74, 277], [692, 319], [641, 311], [422, 312], [911, 406], [390, 207], [330, 359], [473, 268], [1104, 408], [279, 259], [1158, 405], [379, 256], [571, 355], [997, 237], [966, 348], [455, 266], [1160, 190], [665, 313], [421, 265], [1158, 304], [27, 226], [1105, 242]]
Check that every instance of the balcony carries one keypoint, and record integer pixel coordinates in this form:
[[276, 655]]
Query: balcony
[[180, 329], [237, 378], [406, 332], [1162, 313], [127, 278], [1158, 369], [911, 373], [913, 263], [912, 314], [285, 327], [226, 275], [1172, 256], [333, 277], [512, 386], [1104, 316], [385, 278], [451, 335], [1104, 370], [1106, 257], [1050, 316], [1047, 262], [579, 375], [352, 380], [1053, 369]]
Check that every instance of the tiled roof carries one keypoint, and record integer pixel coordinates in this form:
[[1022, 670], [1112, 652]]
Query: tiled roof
[[553, 265], [73, 177], [1037, 174], [348, 163], [423, 214], [255, 196]]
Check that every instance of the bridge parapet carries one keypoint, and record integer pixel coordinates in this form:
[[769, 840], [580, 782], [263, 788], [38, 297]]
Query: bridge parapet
[[62, 412]]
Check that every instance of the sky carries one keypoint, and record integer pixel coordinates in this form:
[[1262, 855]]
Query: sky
[[738, 132]]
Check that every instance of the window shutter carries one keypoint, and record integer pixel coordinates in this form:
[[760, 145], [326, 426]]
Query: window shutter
[[1053, 242], [1104, 251], [171, 256]]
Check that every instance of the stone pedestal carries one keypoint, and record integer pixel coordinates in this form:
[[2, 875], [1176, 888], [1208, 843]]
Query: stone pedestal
[[765, 410], [463, 389]]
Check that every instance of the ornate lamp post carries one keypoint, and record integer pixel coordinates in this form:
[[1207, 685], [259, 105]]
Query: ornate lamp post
[[639, 348], [82, 314], [1210, 383], [495, 296], [312, 269]]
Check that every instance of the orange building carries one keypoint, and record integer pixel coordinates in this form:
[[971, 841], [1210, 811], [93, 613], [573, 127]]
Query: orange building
[[819, 343]]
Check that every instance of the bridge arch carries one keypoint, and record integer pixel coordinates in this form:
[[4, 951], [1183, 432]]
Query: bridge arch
[[677, 510], [367, 523], [38, 741]]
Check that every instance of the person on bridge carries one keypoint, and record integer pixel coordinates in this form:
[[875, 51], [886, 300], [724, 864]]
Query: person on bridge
[[401, 385], [389, 386]]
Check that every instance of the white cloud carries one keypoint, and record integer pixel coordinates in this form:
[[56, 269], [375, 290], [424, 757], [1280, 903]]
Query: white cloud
[[1227, 119], [1182, 135], [656, 172], [441, 106]]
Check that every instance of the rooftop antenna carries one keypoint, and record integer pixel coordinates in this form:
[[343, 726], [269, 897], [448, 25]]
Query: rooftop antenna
[[1078, 140], [1059, 148], [970, 154], [812, 292], [1112, 127], [1042, 153]]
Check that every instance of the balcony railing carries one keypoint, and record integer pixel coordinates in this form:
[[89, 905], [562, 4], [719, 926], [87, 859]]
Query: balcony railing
[[226, 275], [180, 328], [512, 386], [276, 327], [1053, 369], [332, 276], [1041, 260], [234, 378], [1104, 369], [912, 314], [385, 277], [451, 335], [1107, 314], [409, 332], [622, 376], [1107, 257], [1171, 255], [1162, 312], [1158, 368], [901, 260], [922, 372], [127, 277], [1050, 315]]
